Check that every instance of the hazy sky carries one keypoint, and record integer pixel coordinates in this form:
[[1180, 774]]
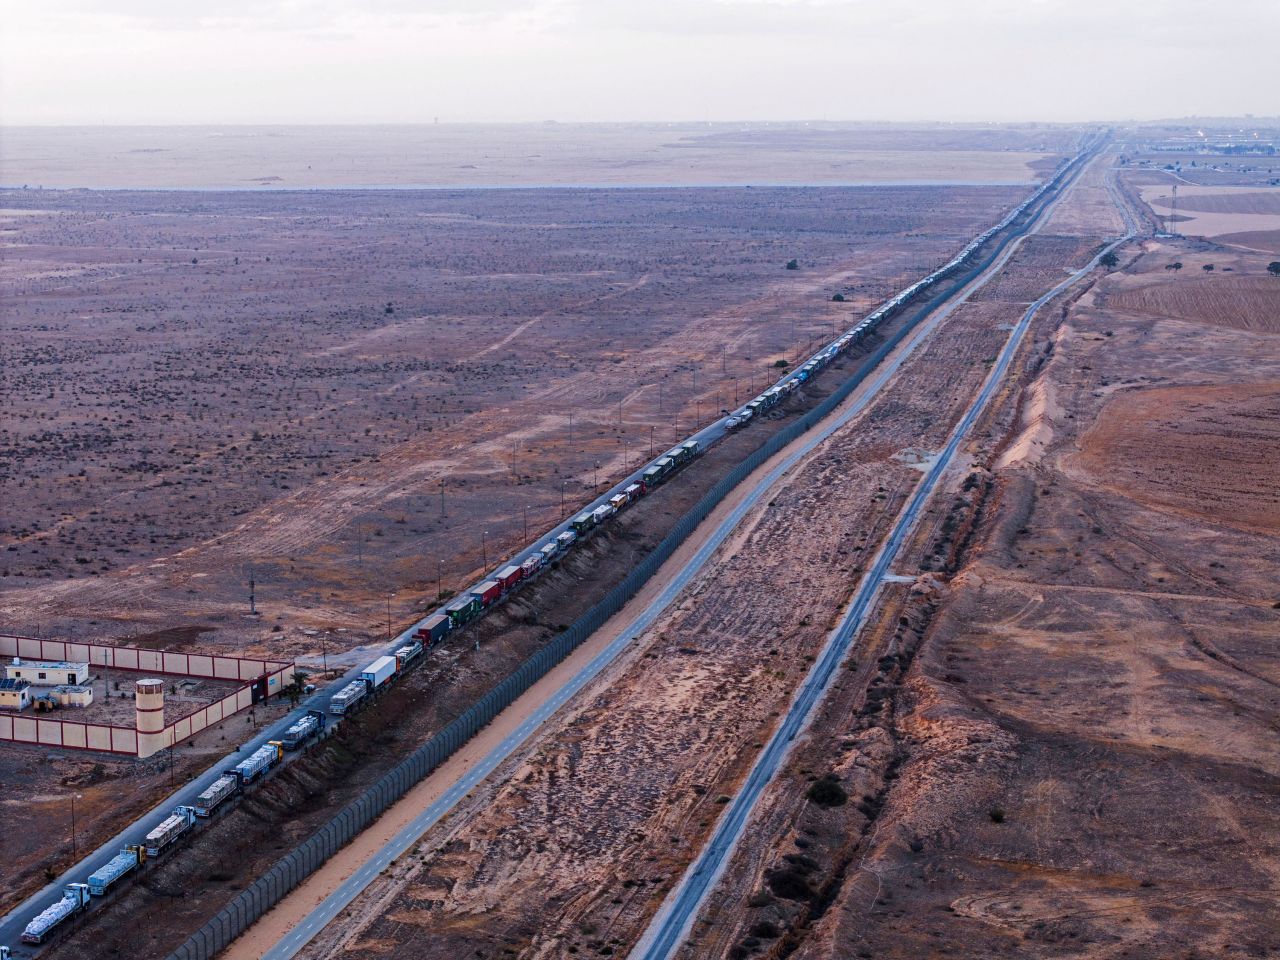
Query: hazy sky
[[316, 61]]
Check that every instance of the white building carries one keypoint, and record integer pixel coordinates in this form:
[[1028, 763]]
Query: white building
[[15, 694], [48, 673]]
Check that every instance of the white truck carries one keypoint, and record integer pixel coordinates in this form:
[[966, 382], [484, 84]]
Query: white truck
[[74, 899], [169, 830], [379, 672]]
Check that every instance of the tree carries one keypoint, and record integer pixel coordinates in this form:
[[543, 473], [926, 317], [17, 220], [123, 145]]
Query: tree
[[793, 265], [293, 690], [838, 298], [1176, 265], [1109, 260], [1273, 268], [1207, 268]]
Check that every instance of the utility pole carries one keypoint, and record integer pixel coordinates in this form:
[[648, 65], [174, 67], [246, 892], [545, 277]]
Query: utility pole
[[596, 476], [571, 432], [484, 549], [442, 498], [324, 652], [74, 796], [526, 522], [724, 361], [439, 578], [651, 429], [562, 483], [253, 609], [388, 618]]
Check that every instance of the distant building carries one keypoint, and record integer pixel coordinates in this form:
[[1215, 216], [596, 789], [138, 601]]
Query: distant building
[[48, 673], [15, 694]]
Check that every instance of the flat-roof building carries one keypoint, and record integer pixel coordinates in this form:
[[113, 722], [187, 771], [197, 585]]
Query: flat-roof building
[[15, 694], [48, 673]]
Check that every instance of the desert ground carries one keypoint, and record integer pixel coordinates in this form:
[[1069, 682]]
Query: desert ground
[[1067, 747], [203, 387], [571, 849]]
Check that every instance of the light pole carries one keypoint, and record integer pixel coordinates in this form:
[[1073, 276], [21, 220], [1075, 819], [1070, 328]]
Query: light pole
[[439, 578], [562, 483], [389, 617], [484, 549]]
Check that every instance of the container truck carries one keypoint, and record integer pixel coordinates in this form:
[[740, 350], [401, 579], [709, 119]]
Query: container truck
[[434, 629], [635, 491], [118, 867], [379, 672], [652, 477], [217, 793], [582, 523], [488, 592], [567, 539], [531, 566], [665, 466], [602, 513], [619, 501], [258, 762], [74, 899], [305, 728], [463, 609], [691, 448], [509, 576], [549, 551], [168, 832], [346, 698]]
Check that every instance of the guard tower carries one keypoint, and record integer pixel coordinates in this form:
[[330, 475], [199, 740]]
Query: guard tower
[[148, 696]]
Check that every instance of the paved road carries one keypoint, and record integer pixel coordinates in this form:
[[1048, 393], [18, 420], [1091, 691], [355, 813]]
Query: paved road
[[671, 924], [292, 942]]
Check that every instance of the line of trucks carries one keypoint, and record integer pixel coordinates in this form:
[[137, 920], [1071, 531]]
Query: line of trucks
[[76, 896], [468, 606]]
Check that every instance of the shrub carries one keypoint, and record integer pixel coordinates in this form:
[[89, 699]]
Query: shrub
[[827, 792], [996, 814]]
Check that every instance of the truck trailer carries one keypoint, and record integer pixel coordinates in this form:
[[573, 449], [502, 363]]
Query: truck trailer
[[379, 672], [74, 899], [407, 654], [464, 609], [168, 832], [301, 731], [346, 698], [488, 592], [509, 576], [118, 867], [216, 794], [258, 762], [434, 629]]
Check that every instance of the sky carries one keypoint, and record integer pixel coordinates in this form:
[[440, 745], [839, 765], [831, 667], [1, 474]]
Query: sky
[[413, 61]]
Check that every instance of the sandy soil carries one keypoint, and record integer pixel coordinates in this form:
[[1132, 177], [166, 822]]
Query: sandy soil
[[1068, 750], [520, 155], [1215, 211]]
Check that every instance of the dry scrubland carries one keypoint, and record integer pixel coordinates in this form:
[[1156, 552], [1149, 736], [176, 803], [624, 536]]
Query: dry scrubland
[[200, 385], [1067, 744], [571, 850]]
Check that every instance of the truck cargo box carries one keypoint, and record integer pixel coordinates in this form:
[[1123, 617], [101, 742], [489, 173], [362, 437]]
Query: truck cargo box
[[488, 592], [348, 697], [436, 627], [509, 576], [257, 763], [74, 899], [619, 501], [602, 513], [379, 672], [549, 551], [119, 866], [531, 566], [582, 523], [635, 491], [567, 539], [300, 731], [407, 653], [169, 830], [652, 476], [462, 609], [216, 794]]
